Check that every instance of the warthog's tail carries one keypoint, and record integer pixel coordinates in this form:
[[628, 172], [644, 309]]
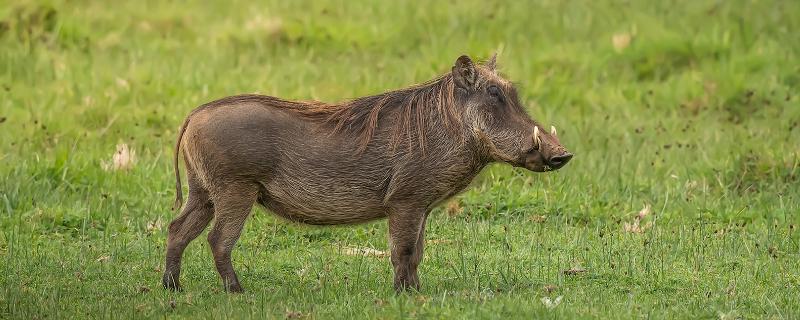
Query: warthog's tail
[[178, 189]]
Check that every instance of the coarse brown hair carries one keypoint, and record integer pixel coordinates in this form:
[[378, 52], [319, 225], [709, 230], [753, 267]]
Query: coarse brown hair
[[415, 105]]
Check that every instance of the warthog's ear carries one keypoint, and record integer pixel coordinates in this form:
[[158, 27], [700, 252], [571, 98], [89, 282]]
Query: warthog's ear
[[492, 63], [464, 74]]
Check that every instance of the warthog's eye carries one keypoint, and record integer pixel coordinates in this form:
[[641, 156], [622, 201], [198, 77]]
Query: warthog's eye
[[494, 91]]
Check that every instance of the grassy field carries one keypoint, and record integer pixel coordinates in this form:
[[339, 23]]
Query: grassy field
[[689, 107]]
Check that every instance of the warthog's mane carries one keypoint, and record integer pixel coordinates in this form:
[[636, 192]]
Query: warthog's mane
[[413, 106]]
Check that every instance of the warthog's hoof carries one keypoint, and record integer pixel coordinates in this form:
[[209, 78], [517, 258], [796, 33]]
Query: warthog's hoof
[[406, 286], [233, 287]]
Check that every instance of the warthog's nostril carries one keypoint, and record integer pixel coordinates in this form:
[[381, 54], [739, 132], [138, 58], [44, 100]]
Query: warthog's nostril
[[560, 160]]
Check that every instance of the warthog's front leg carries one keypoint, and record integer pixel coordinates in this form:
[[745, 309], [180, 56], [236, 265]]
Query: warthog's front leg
[[406, 239]]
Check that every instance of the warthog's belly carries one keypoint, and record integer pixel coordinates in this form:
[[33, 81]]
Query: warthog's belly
[[321, 204]]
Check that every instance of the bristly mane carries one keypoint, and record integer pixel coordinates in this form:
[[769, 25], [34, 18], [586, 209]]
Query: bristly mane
[[415, 105]]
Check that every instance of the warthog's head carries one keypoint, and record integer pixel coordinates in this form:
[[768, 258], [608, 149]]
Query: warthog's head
[[497, 120]]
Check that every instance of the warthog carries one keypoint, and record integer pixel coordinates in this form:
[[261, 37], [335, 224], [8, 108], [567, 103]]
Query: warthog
[[394, 155]]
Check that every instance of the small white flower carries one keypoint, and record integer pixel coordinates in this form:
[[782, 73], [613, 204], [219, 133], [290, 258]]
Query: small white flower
[[550, 304]]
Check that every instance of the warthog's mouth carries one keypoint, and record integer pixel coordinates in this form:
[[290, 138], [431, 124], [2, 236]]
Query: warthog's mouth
[[540, 168], [547, 166]]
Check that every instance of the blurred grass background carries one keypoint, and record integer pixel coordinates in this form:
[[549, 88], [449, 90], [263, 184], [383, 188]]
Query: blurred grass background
[[688, 106]]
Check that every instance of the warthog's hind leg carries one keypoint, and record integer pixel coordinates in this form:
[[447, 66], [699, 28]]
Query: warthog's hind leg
[[232, 205], [194, 218]]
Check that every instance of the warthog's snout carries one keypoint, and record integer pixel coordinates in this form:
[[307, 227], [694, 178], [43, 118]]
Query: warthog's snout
[[559, 161], [546, 152]]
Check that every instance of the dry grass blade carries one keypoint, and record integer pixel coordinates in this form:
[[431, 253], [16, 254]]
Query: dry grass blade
[[361, 251], [636, 226], [621, 41], [454, 208], [123, 159], [574, 271]]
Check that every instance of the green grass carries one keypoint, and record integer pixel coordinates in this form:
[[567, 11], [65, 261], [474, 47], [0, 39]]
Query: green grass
[[698, 117]]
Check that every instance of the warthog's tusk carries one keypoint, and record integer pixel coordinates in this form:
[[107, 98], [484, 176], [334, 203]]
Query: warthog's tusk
[[536, 140], [553, 130]]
